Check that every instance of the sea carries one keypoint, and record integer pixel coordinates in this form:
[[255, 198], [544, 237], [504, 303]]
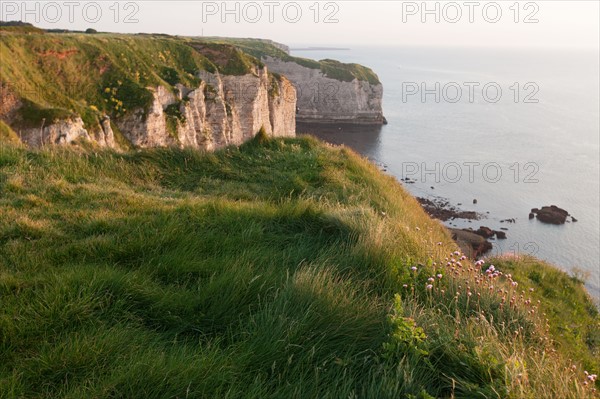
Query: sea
[[513, 129]]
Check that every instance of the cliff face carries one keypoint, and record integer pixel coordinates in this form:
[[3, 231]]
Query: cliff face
[[221, 111], [328, 100], [328, 91]]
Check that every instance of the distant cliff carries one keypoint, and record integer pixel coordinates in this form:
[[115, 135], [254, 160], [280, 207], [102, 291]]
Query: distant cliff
[[328, 91], [326, 99], [124, 91]]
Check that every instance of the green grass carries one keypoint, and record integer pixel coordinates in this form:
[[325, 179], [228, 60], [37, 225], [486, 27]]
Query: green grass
[[228, 59], [572, 317], [273, 270]]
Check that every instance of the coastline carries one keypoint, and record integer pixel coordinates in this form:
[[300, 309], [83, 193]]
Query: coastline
[[352, 135]]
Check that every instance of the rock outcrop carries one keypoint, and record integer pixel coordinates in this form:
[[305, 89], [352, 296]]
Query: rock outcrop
[[440, 208], [471, 244], [324, 99], [551, 214], [58, 132]]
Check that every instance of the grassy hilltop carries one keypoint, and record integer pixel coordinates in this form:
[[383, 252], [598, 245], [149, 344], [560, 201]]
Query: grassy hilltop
[[280, 269]]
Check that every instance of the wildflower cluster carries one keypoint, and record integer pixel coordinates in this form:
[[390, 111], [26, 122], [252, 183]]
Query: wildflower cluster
[[481, 293], [590, 379], [470, 283]]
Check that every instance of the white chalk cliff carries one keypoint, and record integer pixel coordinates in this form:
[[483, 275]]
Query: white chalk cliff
[[223, 110], [327, 100]]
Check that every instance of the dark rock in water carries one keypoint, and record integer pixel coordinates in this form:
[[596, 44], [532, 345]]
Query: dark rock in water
[[442, 210], [459, 204], [485, 232], [531, 215], [433, 188], [534, 210], [500, 235], [573, 219], [474, 201], [503, 228], [551, 215], [471, 244], [512, 220]]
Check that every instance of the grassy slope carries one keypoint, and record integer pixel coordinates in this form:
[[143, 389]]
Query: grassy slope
[[272, 270], [331, 68]]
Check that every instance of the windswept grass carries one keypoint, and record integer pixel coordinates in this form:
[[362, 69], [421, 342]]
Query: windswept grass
[[280, 269], [571, 316]]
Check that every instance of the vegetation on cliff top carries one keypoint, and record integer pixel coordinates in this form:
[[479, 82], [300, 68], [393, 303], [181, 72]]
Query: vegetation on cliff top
[[330, 68], [280, 269]]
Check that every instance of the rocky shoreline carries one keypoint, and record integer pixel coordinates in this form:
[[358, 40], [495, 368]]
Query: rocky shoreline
[[441, 209], [475, 243]]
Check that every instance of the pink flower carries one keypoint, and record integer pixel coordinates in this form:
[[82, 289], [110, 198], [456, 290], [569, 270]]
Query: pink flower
[[414, 268], [429, 286], [431, 279], [439, 276]]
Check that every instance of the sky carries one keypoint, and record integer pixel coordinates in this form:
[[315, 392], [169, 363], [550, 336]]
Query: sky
[[550, 23]]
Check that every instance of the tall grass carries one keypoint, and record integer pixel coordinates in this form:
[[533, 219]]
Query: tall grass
[[280, 269]]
